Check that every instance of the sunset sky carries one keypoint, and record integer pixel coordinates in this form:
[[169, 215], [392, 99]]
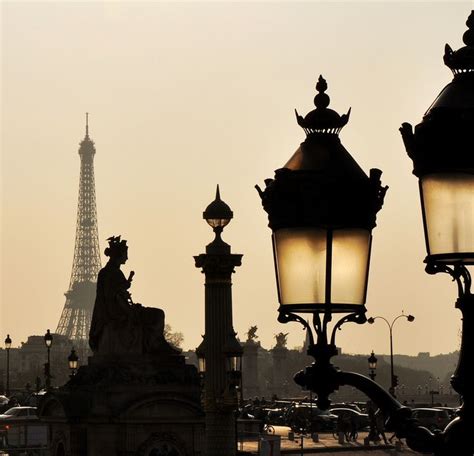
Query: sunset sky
[[186, 95]]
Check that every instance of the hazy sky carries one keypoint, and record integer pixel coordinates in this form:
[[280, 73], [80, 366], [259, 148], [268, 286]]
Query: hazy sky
[[183, 96]]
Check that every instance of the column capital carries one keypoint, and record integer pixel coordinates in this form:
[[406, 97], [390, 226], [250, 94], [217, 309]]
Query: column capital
[[218, 266]]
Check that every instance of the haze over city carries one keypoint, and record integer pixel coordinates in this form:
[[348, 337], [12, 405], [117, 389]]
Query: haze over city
[[184, 96]]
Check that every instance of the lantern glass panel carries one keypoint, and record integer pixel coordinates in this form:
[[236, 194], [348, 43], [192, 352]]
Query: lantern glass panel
[[448, 211], [218, 222], [300, 260], [202, 365], [233, 363], [73, 364], [350, 262]]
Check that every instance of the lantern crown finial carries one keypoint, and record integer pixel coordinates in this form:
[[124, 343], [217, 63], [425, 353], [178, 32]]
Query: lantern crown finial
[[462, 60], [322, 120]]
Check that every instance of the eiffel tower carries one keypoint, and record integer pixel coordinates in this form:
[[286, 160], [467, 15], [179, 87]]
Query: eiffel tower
[[77, 313]]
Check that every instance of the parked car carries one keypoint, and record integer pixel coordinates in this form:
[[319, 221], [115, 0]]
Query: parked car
[[452, 411], [276, 416], [431, 418], [304, 418], [348, 415], [347, 405], [19, 414]]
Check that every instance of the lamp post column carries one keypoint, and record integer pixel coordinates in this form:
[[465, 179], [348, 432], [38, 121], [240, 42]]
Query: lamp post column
[[392, 373], [8, 344], [48, 340], [220, 394], [8, 372], [48, 371]]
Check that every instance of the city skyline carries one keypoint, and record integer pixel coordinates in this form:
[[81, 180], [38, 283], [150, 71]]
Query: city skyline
[[175, 111]]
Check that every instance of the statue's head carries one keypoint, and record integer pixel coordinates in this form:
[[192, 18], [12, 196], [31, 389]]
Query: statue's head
[[117, 249]]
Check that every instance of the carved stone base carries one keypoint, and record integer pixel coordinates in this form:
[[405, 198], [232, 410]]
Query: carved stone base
[[126, 405]]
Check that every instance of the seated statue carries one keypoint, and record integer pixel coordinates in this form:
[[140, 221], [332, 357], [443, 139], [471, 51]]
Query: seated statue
[[118, 325]]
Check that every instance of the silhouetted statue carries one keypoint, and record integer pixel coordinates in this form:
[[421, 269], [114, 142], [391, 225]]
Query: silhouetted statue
[[281, 340], [252, 334], [118, 325]]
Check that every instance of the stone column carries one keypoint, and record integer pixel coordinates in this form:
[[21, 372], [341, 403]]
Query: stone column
[[220, 395], [250, 370], [279, 355]]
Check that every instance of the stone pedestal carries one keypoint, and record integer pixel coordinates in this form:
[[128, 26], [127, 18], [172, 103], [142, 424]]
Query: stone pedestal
[[250, 385], [279, 355], [145, 405]]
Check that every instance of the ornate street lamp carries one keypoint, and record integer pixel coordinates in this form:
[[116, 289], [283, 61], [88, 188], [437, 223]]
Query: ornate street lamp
[[201, 356], [233, 352], [48, 341], [393, 377], [322, 208], [372, 360], [73, 362], [441, 147], [219, 352], [8, 345]]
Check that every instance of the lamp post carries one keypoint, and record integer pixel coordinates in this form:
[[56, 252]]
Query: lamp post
[[372, 365], [8, 344], [393, 377], [322, 208], [441, 150], [219, 354], [48, 341], [73, 362]]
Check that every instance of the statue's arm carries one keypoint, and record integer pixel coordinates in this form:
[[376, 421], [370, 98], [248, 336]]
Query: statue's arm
[[116, 294]]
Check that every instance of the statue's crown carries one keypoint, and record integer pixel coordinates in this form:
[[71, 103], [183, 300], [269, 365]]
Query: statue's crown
[[115, 243]]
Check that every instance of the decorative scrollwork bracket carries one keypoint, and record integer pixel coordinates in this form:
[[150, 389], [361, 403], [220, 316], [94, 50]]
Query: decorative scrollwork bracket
[[458, 272]]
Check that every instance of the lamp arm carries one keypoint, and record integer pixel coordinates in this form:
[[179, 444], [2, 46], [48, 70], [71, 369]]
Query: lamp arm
[[418, 438], [395, 319]]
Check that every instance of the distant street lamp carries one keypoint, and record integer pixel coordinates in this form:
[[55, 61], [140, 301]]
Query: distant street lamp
[[393, 377], [372, 365], [8, 344], [73, 360], [48, 341]]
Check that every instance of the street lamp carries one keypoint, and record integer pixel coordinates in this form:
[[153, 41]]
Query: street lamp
[[372, 365], [201, 356], [393, 377], [322, 208], [220, 352], [8, 344], [441, 149], [73, 361], [48, 341]]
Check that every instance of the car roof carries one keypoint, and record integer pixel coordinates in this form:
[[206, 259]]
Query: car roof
[[344, 408], [428, 409], [21, 407]]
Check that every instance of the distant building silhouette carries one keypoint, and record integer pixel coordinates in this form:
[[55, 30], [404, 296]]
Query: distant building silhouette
[[77, 313]]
